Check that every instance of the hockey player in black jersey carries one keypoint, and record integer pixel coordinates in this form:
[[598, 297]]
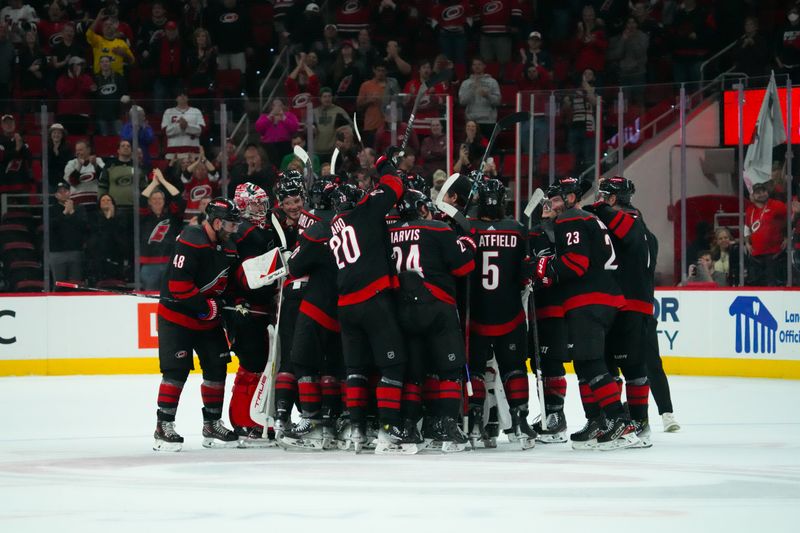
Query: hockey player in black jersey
[[428, 257], [367, 314], [497, 321], [582, 269], [189, 321]]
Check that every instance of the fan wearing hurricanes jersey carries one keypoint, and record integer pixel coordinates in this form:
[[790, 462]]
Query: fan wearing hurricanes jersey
[[248, 331], [371, 335], [581, 270], [189, 321], [429, 256], [497, 321]]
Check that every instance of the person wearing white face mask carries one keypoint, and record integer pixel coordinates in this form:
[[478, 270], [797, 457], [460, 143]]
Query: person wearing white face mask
[[787, 53]]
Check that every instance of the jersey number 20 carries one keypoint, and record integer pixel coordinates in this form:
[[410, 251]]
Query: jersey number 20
[[346, 243]]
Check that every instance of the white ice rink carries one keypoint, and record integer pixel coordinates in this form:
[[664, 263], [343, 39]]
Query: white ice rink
[[75, 456]]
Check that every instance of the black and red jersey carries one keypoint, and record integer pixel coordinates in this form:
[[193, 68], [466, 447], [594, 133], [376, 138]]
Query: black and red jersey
[[496, 304], [452, 16], [199, 270], [630, 238], [352, 17], [431, 249], [158, 232], [495, 16], [585, 260], [549, 300], [312, 260], [252, 241], [360, 246]]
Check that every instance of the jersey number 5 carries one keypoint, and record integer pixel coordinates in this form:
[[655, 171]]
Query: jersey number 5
[[490, 274], [346, 243]]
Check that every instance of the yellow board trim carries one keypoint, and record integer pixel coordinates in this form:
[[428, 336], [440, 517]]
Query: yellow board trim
[[689, 366]]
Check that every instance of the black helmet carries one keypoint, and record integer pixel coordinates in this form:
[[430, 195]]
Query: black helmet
[[491, 198], [291, 184], [320, 192], [623, 188], [415, 181], [346, 197], [409, 204], [553, 190], [224, 209], [573, 185]]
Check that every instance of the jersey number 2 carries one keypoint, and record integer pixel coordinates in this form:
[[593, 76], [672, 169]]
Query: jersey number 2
[[346, 243]]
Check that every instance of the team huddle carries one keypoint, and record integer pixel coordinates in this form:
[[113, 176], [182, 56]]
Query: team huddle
[[404, 326]]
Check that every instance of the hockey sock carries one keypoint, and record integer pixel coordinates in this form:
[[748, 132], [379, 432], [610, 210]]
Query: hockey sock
[[357, 396], [450, 398], [285, 391], [389, 395], [244, 387], [372, 405], [430, 395], [412, 401], [213, 393], [310, 393], [637, 392], [590, 407], [606, 392], [478, 391], [555, 389], [331, 395], [169, 394], [515, 384]]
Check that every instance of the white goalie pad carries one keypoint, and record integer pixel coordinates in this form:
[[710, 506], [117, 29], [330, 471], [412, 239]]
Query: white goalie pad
[[264, 269]]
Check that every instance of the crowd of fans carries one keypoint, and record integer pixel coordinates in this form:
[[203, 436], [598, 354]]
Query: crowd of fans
[[100, 64]]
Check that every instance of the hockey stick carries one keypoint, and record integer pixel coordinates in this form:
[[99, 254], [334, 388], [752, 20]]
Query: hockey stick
[[423, 88], [334, 157], [355, 127], [120, 292], [446, 187], [502, 124]]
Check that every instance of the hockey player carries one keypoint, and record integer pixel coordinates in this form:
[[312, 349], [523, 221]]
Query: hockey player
[[429, 256], [316, 348], [497, 323], [582, 269], [189, 321], [624, 345], [247, 331], [370, 333]]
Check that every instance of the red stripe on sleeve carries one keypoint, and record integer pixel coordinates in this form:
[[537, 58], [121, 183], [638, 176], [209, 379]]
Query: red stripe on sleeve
[[464, 269], [394, 183]]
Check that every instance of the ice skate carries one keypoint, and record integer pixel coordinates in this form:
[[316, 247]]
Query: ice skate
[[343, 430], [372, 433], [586, 438], [329, 421], [306, 434], [253, 437], [524, 433], [475, 425], [166, 438], [358, 436], [619, 433], [216, 435], [391, 441], [282, 418], [643, 432], [429, 434], [555, 430], [670, 424], [450, 435], [411, 430]]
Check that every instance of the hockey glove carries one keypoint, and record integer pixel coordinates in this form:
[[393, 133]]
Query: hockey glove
[[384, 165], [545, 273], [214, 307]]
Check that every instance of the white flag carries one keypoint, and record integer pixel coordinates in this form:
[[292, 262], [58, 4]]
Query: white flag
[[769, 133]]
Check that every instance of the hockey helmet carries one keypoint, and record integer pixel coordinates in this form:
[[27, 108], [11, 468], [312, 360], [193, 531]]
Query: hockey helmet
[[623, 188], [346, 197], [414, 181], [409, 204], [491, 198], [252, 202], [291, 184], [320, 192], [577, 186], [223, 209]]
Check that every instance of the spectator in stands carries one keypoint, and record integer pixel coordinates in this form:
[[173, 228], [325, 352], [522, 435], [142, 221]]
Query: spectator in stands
[[434, 149], [302, 84], [693, 32], [200, 180], [83, 173], [408, 162], [725, 255], [63, 51], [349, 149], [15, 159], [256, 170], [229, 24], [183, 126], [471, 148], [7, 57], [391, 20], [437, 182], [75, 89], [150, 29], [161, 210], [431, 106], [352, 17], [536, 78], [396, 67], [327, 117], [367, 157], [480, 93], [145, 135], [580, 105], [367, 53], [193, 16], [104, 39], [347, 75], [383, 137], [366, 178], [533, 54], [276, 129], [703, 239], [167, 55], [451, 19], [299, 139], [306, 28], [752, 52], [703, 271], [33, 67], [59, 153], [787, 50], [68, 230], [201, 63], [109, 243], [765, 238], [373, 96], [627, 52], [497, 21], [112, 92], [444, 69], [328, 49], [590, 42], [18, 18], [117, 177]]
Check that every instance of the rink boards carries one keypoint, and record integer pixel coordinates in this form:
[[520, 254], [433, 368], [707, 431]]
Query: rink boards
[[712, 333]]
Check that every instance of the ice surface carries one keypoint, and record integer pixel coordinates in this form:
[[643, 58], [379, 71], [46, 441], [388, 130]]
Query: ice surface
[[75, 455]]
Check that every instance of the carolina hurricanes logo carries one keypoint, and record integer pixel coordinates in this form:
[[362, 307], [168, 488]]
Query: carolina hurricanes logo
[[109, 88], [56, 38], [492, 7], [124, 180], [452, 12], [350, 7], [229, 18], [200, 191], [86, 178], [344, 84], [301, 100], [159, 232]]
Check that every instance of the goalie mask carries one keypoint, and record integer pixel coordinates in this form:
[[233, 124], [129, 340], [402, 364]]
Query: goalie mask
[[253, 203], [491, 199]]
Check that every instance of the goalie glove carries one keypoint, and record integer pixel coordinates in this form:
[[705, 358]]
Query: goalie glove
[[214, 306]]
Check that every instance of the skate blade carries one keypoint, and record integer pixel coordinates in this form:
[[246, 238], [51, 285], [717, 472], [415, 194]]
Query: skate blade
[[490, 443], [644, 442], [584, 444], [396, 449], [329, 444], [216, 443], [431, 445], [257, 443], [629, 440], [552, 438], [358, 447], [672, 428], [161, 446], [527, 443], [344, 445], [302, 444], [453, 447]]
